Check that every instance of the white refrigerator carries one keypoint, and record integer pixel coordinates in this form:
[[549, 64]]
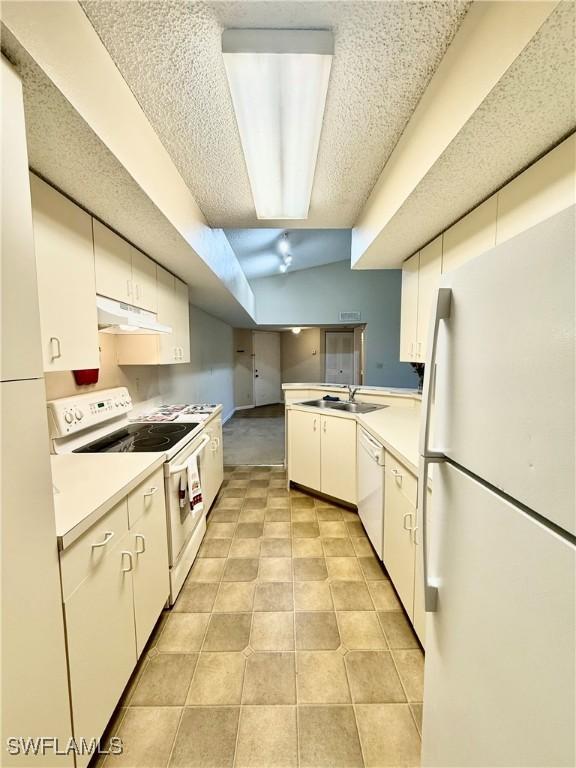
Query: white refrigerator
[[499, 541]]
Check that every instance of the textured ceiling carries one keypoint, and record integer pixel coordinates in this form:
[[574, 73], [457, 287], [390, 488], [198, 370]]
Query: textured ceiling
[[258, 254], [65, 151], [527, 113], [169, 54]]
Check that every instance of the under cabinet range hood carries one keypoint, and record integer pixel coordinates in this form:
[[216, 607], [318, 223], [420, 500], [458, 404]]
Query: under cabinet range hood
[[117, 317]]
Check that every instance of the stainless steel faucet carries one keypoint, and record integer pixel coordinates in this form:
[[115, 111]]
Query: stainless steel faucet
[[352, 392]]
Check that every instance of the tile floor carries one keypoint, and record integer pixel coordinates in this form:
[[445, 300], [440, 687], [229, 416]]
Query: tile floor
[[287, 646]]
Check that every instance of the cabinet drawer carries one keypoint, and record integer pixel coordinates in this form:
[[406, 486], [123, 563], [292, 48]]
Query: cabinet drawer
[[147, 498], [402, 479], [83, 558]]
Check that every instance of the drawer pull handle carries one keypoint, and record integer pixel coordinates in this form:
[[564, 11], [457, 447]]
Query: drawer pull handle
[[107, 536], [140, 537], [397, 476], [408, 527], [55, 355], [129, 555], [151, 491]]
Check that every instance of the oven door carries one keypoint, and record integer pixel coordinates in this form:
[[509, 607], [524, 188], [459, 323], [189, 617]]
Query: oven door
[[181, 521]]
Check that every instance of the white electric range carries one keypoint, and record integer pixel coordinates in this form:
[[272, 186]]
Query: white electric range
[[99, 422]]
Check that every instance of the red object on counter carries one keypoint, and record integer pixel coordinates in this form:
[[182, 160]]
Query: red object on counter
[[87, 376]]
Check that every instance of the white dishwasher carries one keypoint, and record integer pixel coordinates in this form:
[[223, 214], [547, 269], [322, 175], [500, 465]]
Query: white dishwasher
[[371, 489]]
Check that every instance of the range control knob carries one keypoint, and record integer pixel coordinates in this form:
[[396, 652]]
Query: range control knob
[[79, 414], [69, 417]]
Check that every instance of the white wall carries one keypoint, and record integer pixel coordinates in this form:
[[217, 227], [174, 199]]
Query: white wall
[[209, 377], [317, 296]]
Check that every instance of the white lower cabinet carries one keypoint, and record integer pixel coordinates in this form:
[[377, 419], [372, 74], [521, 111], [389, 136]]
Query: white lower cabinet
[[322, 453], [212, 463], [419, 619], [115, 583]]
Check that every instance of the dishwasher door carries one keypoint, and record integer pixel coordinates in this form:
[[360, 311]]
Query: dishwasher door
[[371, 489]]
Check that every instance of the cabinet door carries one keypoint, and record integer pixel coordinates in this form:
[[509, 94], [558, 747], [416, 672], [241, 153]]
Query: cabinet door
[[428, 277], [167, 315], [113, 262], [212, 463], [182, 321], [399, 550], [101, 645], [66, 289], [338, 458], [409, 308], [143, 281], [419, 613], [304, 448], [149, 544]]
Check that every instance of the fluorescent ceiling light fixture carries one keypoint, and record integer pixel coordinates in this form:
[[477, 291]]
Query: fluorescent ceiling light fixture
[[278, 81]]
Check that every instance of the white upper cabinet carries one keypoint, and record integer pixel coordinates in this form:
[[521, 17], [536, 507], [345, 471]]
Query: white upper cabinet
[[420, 274], [409, 308], [181, 324], [66, 289], [471, 236], [123, 272]]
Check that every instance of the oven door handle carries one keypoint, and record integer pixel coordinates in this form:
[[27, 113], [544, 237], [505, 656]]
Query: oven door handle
[[182, 467]]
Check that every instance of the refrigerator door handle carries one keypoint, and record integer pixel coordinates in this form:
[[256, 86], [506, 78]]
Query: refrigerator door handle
[[430, 590], [441, 311]]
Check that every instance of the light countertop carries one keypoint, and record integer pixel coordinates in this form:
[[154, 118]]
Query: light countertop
[[398, 429], [399, 391], [87, 485]]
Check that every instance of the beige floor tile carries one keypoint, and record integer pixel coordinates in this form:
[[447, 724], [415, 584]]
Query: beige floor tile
[[301, 502], [351, 596], [303, 516], [272, 631], [388, 735], [257, 493], [228, 632], [361, 630], [362, 547], [165, 680], [373, 678], [344, 569], [206, 738], [276, 548], [275, 569], [207, 569], [322, 678], [397, 629], [277, 482], [183, 633], [258, 483], [372, 569], [196, 597], [215, 548], [245, 548], [277, 515], [277, 530], [240, 569], [312, 596], [278, 502], [233, 483], [274, 596], [333, 529], [328, 513], [252, 516], [251, 503], [317, 631], [417, 714], [147, 735], [217, 679], [229, 503], [328, 737], [249, 530], [410, 665], [305, 530], [337, 547], [307, 548], [270, 679], [267, 738], [384, 596], [310, 569], [223, 516], [235, 596], [350, 516], [232, 492]]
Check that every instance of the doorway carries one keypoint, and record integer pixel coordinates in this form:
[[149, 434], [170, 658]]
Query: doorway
[[266, 349], [339, 357]]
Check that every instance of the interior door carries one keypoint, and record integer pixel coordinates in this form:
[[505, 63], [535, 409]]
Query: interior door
[[266, 368], [340, 357], [500, 663]]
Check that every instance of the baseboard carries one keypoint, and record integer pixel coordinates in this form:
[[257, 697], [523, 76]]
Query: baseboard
[[227, 416], [243, 408]]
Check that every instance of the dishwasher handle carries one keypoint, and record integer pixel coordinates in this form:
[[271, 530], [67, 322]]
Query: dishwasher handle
[[373, 448]]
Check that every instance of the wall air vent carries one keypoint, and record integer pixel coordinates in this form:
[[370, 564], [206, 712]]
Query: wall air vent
[[350, 317]]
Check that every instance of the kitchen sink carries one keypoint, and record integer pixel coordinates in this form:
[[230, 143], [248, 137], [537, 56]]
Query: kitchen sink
[[344, 405]]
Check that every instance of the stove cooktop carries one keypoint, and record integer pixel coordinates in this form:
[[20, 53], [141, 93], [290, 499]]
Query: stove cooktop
[[139, 438]]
